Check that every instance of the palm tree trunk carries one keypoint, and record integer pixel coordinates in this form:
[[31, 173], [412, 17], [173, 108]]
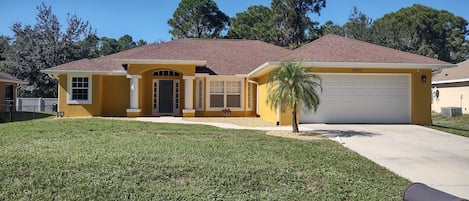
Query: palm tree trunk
[[294, 123]]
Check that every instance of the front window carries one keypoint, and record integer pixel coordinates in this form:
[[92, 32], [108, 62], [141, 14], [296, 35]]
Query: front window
[[225, 94], [79, 90]]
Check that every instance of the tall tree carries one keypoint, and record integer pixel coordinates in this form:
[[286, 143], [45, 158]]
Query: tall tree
[[330, 28], [255, 23], [291, 84], [291, 17], [198, 19], [42, 46], [426, 31], [108, 46], [126, 42], [4, 46], [359, 26]]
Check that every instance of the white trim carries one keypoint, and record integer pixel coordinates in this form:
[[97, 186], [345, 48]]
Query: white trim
[[202, 74], [188, 111], [134, 110], [13, 81], [92, 72], [70, 91], [257, 95], [134, 76], [199, 93], [160, 61], [188, 77], [224, 79], [451, 81], [268, 66]]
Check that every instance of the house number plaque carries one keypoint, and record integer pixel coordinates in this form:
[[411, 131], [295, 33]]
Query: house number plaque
[[357, 70]]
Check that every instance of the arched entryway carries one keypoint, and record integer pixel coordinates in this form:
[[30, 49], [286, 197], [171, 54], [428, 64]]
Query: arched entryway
[[166, 93]]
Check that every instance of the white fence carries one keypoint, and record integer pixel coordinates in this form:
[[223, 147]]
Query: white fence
[[36, 104]]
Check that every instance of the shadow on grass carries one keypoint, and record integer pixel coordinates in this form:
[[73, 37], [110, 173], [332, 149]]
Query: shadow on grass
[[346, 133], [22, 116]]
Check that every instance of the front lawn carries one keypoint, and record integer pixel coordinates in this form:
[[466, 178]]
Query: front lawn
[[457, 125], [97, 159], [22, 116]]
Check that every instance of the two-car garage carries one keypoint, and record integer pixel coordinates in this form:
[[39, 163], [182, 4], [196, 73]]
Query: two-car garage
[[362, 98]]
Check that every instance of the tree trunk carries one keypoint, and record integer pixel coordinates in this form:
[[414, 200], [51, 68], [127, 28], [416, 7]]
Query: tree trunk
[[294, 123]]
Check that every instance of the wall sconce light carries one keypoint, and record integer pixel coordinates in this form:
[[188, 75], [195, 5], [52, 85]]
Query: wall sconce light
[[423, 78]]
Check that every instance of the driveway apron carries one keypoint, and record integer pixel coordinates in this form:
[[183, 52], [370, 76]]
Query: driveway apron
[[420, 154]]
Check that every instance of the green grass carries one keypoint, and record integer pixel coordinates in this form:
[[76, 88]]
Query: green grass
[[457, 125], [22, 116], [97, 159]]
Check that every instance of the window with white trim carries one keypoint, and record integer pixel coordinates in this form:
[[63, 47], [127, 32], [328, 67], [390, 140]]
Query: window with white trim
[[79, 90], [225, 94], [199, 94], [250, 96]]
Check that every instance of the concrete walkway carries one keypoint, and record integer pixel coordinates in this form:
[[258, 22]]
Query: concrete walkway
[[420, 154]]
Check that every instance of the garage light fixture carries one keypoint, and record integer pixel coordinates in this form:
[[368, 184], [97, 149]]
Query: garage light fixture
[[423, 78]]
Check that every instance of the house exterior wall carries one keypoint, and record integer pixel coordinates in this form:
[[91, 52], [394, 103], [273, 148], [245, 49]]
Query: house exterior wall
[[115, 95], [420, 93], [80, 110], [452, 95]]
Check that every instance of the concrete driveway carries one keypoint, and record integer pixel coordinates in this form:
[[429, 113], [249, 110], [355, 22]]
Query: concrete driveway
[[420, 154]]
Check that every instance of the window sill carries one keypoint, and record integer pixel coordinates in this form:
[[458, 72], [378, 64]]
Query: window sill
[[81, 102]]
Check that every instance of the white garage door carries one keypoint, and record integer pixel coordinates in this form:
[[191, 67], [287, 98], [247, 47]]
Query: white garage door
[[362, 98]]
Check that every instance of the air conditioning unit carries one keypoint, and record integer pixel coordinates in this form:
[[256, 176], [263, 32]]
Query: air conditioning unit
[[451, 111]]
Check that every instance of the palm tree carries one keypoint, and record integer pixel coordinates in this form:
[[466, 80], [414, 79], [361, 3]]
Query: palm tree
[[290, 85]]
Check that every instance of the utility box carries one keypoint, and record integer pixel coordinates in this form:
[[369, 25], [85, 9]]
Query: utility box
[[451, 111]]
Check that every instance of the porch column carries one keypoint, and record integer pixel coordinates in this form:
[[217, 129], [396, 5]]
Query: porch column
[[188, 110], [134, 109]]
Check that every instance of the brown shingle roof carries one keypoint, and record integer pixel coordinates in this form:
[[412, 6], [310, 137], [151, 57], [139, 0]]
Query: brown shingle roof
[[224, 57], [333, 48], [8, 77], [230, 57], [456, 73]]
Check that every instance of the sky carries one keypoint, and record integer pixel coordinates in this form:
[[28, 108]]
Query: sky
[[147, 19]]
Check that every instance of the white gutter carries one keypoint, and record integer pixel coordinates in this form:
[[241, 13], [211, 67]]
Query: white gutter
[[451, 81], [270, 64], [13, 81], [160, 61]]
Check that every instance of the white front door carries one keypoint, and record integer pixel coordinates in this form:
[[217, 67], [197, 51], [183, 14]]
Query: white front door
[[166, 97]]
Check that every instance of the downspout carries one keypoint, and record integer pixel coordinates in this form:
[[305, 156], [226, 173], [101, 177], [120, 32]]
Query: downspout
[[438, 71], [257, 95]]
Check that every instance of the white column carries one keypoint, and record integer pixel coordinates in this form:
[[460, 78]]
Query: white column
[[134, 93], [188, 93]]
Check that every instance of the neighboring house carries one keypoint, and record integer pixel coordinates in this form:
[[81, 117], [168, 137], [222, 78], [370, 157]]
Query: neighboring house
[[363, 83], [451, 88], [8, 85]]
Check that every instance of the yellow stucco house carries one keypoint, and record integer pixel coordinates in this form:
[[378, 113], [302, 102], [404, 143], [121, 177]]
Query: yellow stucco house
[[451, 88], [8, 86], [362, 82]]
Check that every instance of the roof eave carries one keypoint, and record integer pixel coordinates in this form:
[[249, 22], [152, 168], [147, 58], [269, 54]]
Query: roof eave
[[13, 81], [451, 81], [94, 72], [262, 69]]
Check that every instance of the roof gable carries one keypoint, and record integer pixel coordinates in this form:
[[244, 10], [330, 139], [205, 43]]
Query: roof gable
[[223, 56], [333, 48], [9, 78]]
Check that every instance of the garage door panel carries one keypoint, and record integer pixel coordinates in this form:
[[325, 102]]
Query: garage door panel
[[362, 98]]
